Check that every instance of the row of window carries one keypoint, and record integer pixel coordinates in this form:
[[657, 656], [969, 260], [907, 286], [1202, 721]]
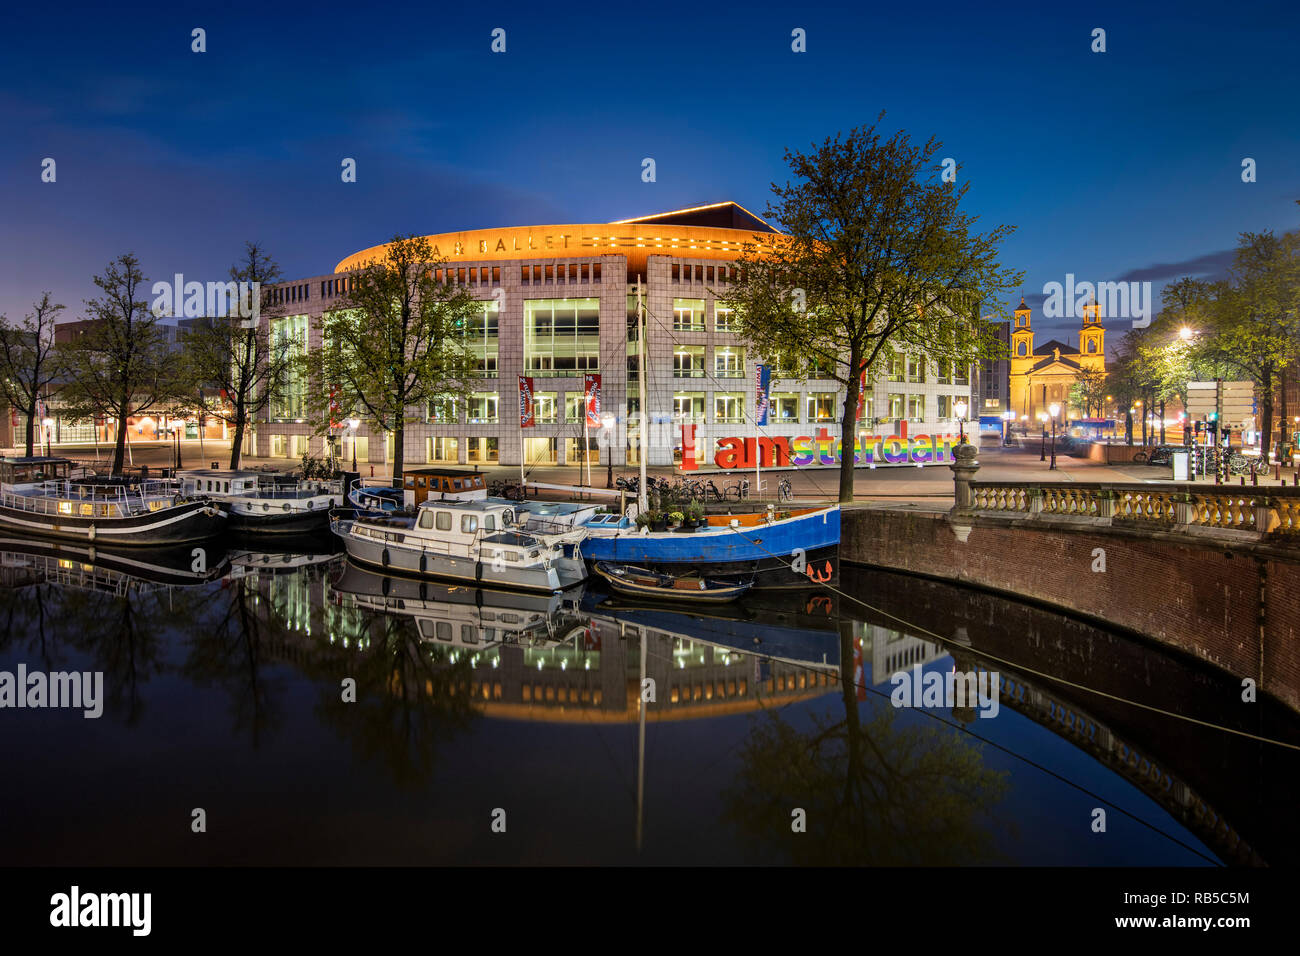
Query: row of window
[[560, 273], [916, 370], [687, 272]]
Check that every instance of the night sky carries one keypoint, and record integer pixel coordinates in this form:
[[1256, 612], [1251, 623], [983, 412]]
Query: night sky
[[1122, 165]]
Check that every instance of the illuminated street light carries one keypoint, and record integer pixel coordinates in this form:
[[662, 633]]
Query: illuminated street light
[[1054, 409], [960, 408]]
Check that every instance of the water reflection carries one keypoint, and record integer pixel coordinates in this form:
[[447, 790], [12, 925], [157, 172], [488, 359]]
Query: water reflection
[[794, 689]]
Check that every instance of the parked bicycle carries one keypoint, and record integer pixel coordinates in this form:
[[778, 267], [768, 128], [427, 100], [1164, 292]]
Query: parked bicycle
[[783, 490]]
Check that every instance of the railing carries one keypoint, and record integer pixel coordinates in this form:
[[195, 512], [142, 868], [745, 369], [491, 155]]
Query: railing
[[1273, 512]]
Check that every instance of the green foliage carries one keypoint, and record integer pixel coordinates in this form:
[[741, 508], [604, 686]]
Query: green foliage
[[28, 362], [877, 259], [394, 344]]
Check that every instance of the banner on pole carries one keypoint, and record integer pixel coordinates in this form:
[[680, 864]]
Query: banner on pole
[[591, 388], [762, 390], [335, 424], [526, 418]]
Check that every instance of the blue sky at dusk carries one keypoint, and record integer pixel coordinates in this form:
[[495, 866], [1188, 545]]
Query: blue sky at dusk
[[1122, 165]]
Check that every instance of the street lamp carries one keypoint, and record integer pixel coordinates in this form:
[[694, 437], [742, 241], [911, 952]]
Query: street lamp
[[1042, 447], [608, 422], [960, 407], [49, 424], [353, 425], [1055, 410]]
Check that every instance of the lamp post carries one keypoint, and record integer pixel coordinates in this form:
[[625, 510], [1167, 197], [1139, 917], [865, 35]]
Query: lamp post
[[1054, 410], [608, 421], [1042, 448], [960, 407], [49, 424], [353, 425]]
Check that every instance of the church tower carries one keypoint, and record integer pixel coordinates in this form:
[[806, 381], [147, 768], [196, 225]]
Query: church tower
[[1092, 337], [1022, 335]]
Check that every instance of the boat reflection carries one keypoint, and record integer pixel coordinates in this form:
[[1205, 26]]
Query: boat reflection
[[26, 561]]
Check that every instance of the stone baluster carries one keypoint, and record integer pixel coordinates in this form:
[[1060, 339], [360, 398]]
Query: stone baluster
[[964, 466]]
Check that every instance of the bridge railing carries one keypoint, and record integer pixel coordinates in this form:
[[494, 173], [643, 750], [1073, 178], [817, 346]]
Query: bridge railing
[[1271, 512]]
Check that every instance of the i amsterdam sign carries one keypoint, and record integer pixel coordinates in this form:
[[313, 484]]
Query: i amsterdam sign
[[823, 449]]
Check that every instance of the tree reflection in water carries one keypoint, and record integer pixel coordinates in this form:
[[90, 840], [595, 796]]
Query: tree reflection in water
[[876, 793]]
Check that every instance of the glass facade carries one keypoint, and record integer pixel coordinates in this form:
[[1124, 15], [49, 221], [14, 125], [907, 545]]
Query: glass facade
[[289, 338], [561, 336]]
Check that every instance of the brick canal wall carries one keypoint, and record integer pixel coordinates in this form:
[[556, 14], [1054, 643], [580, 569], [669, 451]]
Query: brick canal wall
[[1236, 606]]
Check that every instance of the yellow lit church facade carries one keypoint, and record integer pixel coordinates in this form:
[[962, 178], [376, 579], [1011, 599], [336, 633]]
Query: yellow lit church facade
[[1044, 375]]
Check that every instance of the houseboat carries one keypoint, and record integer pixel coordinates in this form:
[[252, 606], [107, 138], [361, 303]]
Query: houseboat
[[796, 549], [421, 484], [265, 502], [37, 497], [479, 541]]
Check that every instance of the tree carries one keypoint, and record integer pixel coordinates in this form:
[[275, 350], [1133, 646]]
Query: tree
[[234, 369], [395, 342], [27, 360], [119, 364], [876, 259], [1253, 318], [1088, 391]]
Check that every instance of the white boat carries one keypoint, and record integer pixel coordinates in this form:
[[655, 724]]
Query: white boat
[[479, 541], [260, 501]]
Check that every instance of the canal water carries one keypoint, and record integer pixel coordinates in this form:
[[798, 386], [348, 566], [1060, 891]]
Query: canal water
[[305, 711]]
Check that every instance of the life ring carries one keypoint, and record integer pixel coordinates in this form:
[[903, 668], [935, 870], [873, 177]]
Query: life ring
[[422, 564], [90, 533], [284, 507], [384, 558]]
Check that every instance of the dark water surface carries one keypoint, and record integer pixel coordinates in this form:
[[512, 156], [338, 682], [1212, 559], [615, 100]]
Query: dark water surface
[[225, 691]]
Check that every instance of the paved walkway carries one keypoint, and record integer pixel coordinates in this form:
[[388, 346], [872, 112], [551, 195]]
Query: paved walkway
[[930, 484]]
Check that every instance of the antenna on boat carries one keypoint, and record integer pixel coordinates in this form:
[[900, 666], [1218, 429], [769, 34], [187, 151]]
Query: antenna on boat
[[642, 371]]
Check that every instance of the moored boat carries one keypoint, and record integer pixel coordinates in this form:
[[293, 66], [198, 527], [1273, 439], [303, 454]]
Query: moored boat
[[267, 503], [478, 541], [657, 586], [37, 497]]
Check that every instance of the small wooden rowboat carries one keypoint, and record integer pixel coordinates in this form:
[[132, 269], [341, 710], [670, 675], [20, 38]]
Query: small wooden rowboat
[[693, 589]]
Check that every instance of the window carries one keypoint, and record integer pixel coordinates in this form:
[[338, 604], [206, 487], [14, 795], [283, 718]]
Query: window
[[575, 408], [426, 519], [688, 407], [943, 372], [468, 524], [821, 407], [482, 450], [896, 368], [489, 523], [480, 331], [444, 521], [729, 362], [288, 337], [785, 407], [896, 406], [688, 315], [916, 407], [540, 450], [688, 361], [279, 446], [1021, 349], [1092, 345], [544, 407], [482, 408], [725, 320], [562, 336], [444, 448], [443, 411], [945, 407], [915, 369], [961, 375], [728, 408]]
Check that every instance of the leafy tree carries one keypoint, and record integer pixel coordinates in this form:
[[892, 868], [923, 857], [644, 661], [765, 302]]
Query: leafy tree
[[27, 360], [234, 369], [1253, 318], [394, 343], [1088, 393], [876, 259], [119, 364]]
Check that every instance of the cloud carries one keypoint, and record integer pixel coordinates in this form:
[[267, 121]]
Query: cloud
[[1211, 265]]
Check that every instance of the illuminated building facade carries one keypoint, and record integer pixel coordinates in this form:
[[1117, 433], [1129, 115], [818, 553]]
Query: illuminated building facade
[[559, 302]]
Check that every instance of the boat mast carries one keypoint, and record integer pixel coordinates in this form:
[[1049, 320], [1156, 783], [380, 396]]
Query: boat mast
[[642, 371]]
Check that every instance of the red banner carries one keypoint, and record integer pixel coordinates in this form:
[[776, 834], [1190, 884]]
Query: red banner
[[334, 407], [591, 388], [526, 417]]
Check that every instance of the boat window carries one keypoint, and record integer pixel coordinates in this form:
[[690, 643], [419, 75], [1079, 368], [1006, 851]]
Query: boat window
[[468, 634], [489, 523], [468, 524], [456, 484], [444, 630], [422, 482], [444, 520], [426, 520], [227, 486], [88, 509], [65, 507], [426, 628], [104, 510], [155, 505]]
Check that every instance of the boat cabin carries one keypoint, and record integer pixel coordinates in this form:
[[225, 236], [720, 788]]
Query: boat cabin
[[422, 484], [207, 481], [24, 471]]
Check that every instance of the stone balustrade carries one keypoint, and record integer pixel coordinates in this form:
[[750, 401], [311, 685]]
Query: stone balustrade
[[1272, 513]]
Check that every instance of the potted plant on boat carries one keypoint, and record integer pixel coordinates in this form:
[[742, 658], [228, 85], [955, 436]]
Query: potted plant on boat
[[675, 519], [694, 514], [648, 519]]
